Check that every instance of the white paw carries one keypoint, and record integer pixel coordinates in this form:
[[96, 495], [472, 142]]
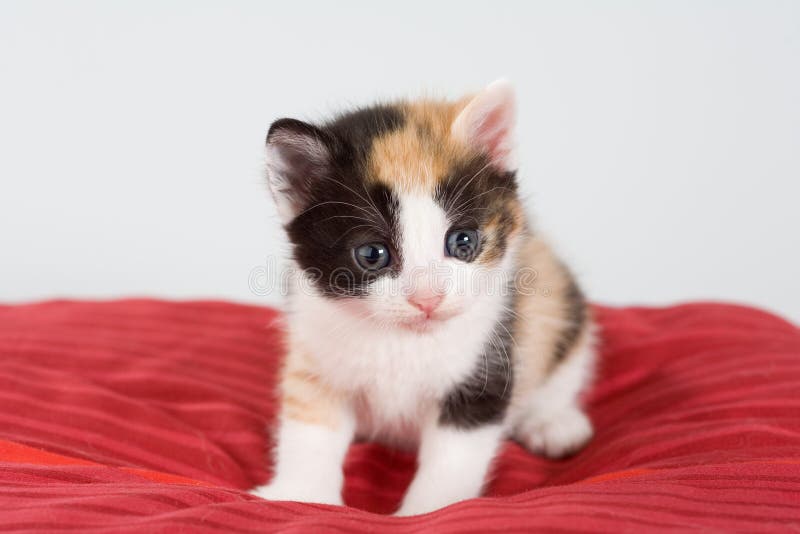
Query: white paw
[[297, 492], [421, 500], [407, 509], [561, 434]]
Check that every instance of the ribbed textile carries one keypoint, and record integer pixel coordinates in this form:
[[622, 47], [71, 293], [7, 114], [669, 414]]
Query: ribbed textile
[[152, 416]]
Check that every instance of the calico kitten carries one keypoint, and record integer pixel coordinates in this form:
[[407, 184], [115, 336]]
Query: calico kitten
[[425, 311]]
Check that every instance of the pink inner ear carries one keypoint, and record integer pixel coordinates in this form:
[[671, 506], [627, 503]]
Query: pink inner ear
[[493, 132], [487, 123]]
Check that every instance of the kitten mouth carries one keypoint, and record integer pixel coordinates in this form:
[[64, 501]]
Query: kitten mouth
[[420, 324], [425, 323]]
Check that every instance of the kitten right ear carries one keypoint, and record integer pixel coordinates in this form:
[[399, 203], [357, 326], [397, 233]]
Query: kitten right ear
[[297, 154], [487, 123]]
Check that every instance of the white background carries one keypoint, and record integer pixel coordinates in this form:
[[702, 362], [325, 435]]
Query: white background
[[660, 141]]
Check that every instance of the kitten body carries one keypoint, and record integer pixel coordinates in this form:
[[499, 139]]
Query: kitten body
[[424, 310]]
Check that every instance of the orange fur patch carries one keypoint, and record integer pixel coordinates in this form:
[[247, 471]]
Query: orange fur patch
[[542, 314], [305, 397], [507, 219], [422, 152]]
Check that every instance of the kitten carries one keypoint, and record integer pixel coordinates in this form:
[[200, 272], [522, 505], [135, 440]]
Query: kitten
[[425, 311]]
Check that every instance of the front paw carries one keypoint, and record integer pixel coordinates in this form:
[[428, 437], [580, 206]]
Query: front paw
[[418, 502], [277, 491], [408, 509], [560, 435]]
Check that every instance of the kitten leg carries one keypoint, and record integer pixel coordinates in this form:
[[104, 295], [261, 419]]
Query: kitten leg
[[316, 429], [308, 464], [553, 423], [453, 463]]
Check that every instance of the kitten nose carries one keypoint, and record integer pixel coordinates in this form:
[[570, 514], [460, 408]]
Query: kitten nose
[[427, 302]]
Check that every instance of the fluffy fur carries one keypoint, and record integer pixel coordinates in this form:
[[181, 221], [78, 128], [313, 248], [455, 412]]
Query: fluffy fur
[[447, 353]]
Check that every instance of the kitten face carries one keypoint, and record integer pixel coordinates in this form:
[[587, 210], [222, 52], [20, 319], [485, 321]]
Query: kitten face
[[404, 213]]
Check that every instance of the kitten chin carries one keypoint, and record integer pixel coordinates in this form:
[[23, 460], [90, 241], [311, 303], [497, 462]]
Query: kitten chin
[[435, 314]]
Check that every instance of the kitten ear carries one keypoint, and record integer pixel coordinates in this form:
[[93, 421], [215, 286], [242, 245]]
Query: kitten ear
[[297, 154], [487, 123]]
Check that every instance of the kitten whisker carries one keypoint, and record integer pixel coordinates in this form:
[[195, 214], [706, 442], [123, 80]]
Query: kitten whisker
[[474, 197], [464, 186], [318, 204], [369, 202]]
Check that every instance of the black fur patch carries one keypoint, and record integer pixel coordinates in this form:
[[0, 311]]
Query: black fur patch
[[474, 194], [356, 130], [575, 315], [483, 398], [342, 208], [337, 221]]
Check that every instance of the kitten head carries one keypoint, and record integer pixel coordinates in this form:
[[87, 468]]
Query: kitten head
[[404, 213]]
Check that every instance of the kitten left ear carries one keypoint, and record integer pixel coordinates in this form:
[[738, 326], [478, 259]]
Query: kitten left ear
[[487, 123], [297, 155]]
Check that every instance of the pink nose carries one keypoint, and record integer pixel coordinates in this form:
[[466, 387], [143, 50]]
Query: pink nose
[[426, 302]]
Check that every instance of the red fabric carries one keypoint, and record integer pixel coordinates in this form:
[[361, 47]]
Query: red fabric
[[142, 415]]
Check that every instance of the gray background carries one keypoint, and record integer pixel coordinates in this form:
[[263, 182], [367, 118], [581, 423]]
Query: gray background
[[659, 141]]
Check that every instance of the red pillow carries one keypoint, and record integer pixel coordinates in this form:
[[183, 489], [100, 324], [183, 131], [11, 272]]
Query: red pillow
[[147, 415]]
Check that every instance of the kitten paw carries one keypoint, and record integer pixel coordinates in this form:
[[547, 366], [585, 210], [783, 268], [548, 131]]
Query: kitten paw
[[408, 509], [561, 434], [299, 493]]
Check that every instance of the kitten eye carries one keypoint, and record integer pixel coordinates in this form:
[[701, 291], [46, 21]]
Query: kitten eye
[[372, 256], [462, 244]]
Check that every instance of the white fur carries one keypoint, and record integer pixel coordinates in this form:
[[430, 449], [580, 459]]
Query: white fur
[[399, 373], [550, 421], [423, 224], [452, 466], [308, 462]]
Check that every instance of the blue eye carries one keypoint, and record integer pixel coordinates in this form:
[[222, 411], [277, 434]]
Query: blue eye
[[462, 244], [372, 256]]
